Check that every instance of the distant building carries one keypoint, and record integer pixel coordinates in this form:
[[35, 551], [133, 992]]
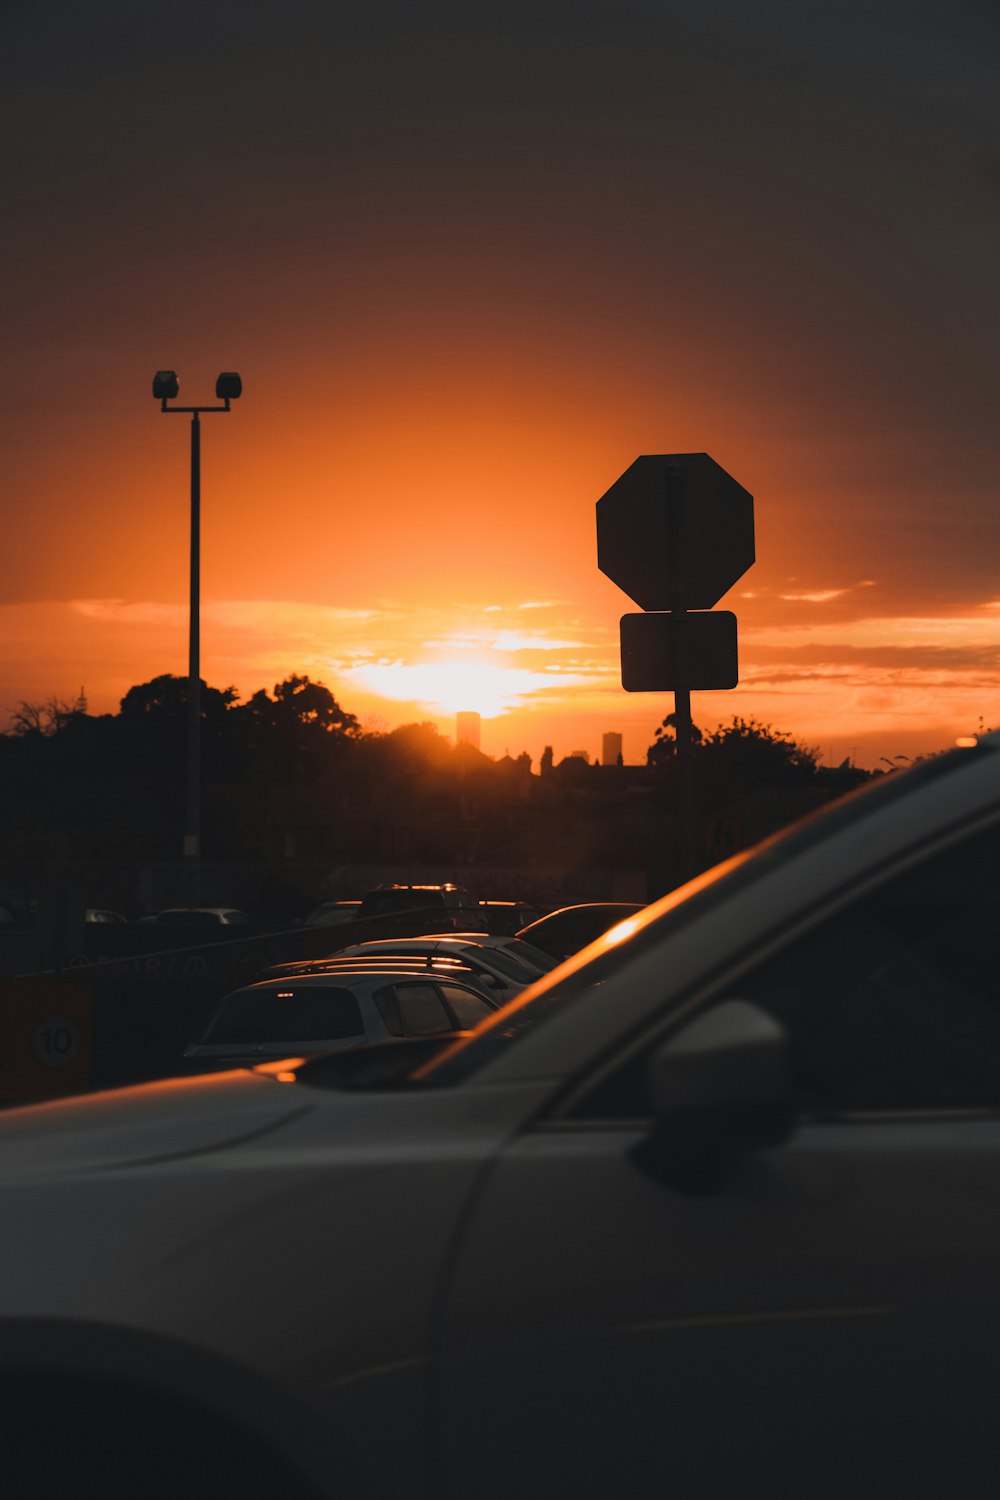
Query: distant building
[[583, 755], [467, 729], [611, 749]]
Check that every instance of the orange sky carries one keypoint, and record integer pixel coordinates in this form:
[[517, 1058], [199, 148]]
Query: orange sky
[[470, 266]]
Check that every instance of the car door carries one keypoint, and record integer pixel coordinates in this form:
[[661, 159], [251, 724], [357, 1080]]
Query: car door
[[823, 1323]]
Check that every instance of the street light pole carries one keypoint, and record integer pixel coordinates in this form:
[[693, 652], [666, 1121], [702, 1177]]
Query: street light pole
[[227, 388], [192, 760]]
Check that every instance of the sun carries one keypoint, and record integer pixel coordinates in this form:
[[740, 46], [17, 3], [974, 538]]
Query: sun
[[451, 686]]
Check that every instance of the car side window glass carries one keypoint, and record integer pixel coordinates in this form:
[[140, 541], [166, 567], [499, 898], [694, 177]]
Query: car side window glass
[[513, 968], [890, 1003], [387, 1006], [421, 1010], [467, 1009], [894, 1002]]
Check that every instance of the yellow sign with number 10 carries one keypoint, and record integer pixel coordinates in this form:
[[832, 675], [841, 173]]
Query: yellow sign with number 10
[[44, 1040]]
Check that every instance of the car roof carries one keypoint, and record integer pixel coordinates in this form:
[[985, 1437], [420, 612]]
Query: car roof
[[364, 975], [382, 958], [393, 885], [412, 943], [455, 939]]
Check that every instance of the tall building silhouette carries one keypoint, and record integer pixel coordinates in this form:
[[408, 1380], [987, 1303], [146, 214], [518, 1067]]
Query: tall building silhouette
[[467, 729], [611, 748]]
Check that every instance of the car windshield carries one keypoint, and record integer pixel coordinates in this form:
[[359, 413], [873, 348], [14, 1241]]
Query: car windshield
[[510, 965], [687, 903], [528, 954]]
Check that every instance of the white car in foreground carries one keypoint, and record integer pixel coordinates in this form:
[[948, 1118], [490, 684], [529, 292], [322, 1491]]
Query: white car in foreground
[[711, 1210]]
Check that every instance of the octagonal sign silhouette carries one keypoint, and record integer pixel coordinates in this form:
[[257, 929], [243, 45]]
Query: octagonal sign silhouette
[[675, 530]]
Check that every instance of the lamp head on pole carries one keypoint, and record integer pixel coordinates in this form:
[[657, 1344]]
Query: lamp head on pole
[[165, 385], [229, 386]]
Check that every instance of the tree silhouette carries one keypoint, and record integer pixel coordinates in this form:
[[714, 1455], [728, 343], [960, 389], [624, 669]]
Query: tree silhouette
[[747, 753], [164, 700], [664, 746], [299, 703], [299, 734], [743, 754], [40, 718]]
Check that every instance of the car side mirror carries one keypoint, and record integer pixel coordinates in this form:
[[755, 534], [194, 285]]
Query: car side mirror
[[719, 1087]]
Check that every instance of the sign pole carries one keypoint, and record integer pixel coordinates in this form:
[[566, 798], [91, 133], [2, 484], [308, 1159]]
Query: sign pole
[[676, 559], [192, 777], [676, 566]]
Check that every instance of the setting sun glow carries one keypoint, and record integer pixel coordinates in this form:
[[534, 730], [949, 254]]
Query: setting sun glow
[[455, 685]]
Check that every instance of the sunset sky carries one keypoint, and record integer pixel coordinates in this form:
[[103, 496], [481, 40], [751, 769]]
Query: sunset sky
[[470, 262]]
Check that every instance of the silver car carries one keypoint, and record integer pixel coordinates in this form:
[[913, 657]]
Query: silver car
[[712, 1209]]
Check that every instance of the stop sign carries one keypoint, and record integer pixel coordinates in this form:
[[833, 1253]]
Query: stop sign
[[675, 529]]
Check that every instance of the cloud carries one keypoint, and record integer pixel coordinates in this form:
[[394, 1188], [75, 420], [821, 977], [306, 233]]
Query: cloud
[[958, 658], [928, 632], [512, 640], [821, 596], [121, 612], [235, 614]]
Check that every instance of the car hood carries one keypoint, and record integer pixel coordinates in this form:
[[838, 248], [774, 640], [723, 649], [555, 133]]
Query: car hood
[[171, 1118]]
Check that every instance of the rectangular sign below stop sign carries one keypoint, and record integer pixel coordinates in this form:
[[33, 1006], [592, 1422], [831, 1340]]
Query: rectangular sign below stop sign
[[670, 652]]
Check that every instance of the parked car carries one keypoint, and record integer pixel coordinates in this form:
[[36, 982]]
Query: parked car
[[711, 1209], [571, 928], [506, 918], [494, 962], [344, 1008], [408, 910]]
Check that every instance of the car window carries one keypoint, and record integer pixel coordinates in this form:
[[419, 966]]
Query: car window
[[891, 1003], [468, 1010], [289, 1014], [413, 1010], [332, 914], [894, 1003], [390, 903]]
